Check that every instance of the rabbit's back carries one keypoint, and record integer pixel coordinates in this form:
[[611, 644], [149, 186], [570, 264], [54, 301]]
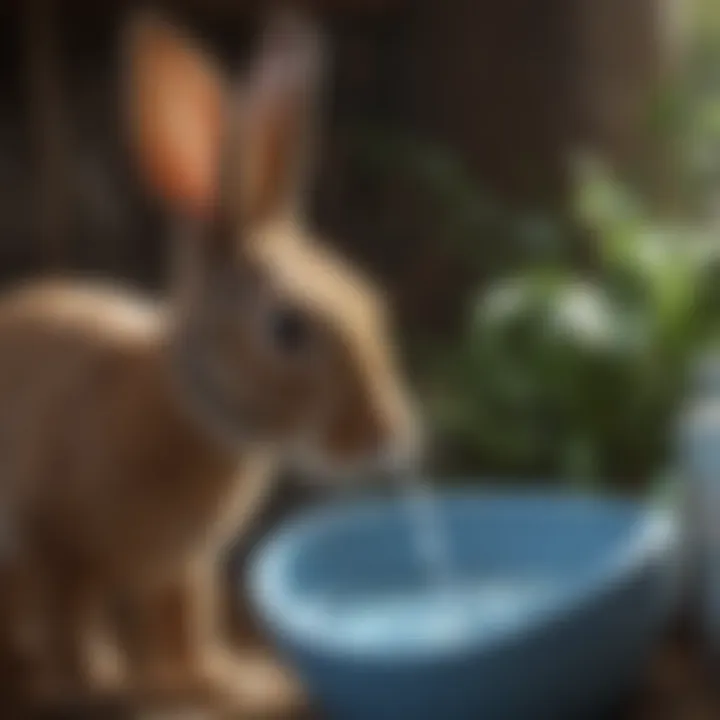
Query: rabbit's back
[[62, 349], [54, 339], [77, 303], [95, 451]]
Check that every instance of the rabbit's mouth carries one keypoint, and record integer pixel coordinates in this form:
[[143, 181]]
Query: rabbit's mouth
[[318, 464], [373, 443]]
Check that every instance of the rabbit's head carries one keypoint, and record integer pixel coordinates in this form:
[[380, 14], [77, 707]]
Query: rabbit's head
[[278, 339]]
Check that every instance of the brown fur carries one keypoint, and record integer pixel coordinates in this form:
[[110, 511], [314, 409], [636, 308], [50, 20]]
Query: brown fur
[[136, 438]]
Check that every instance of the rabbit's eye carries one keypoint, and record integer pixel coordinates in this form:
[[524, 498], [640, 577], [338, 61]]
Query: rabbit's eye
[[290, 330]]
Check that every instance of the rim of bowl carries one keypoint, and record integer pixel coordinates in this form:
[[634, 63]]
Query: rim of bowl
[[654, 534]]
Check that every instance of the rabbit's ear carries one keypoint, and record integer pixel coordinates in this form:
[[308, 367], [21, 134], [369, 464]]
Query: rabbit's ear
[[278, 111], [175, 97]]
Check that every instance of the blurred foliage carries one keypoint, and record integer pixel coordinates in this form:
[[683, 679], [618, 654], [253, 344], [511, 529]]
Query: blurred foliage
[[687, 114], [453, 207], [436, 233], [577, 375], [568, 370]]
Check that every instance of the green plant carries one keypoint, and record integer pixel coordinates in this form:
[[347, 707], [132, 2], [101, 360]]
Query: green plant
[[687, 116], [575, 375]]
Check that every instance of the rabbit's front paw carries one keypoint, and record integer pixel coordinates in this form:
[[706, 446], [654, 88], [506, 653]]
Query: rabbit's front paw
[[252, 681]]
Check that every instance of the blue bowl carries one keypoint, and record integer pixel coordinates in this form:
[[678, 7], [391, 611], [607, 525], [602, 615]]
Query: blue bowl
[[588, 586]]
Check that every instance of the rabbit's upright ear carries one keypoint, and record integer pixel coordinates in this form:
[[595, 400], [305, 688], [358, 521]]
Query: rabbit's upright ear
[[175, 99], [278, 113]]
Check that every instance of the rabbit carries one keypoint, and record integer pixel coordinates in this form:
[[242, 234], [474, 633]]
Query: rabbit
[[139, 435]]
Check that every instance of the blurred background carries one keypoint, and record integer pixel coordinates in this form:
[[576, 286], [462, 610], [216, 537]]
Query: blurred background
[[537, 183]]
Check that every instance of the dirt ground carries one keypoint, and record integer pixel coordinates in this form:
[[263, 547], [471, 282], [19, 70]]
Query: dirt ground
[[678, 687]]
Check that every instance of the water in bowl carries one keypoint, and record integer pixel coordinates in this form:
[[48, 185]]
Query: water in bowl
[[429, 537], [440, 617], [447, 606]]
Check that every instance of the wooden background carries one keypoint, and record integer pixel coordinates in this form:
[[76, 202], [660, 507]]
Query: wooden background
[[510, 85]]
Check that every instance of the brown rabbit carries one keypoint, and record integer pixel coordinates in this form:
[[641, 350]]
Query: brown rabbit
[[137, 437]]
